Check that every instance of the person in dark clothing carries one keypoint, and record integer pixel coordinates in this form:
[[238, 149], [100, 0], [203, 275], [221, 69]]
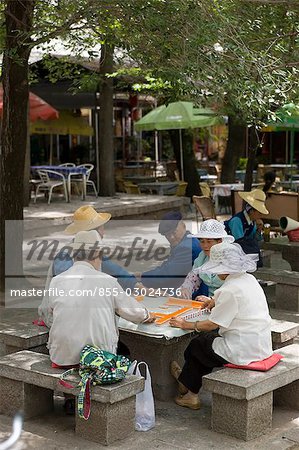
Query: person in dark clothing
[[242, 226], [269, 179]]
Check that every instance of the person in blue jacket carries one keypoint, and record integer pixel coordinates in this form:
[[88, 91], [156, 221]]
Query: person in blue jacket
[[183, 251]]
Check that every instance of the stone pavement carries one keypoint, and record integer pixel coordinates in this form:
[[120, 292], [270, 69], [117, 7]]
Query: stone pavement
[[176, 428], [120, 206]]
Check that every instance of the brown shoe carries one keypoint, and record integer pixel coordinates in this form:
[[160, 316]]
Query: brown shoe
[[175, 371], [187, 403]]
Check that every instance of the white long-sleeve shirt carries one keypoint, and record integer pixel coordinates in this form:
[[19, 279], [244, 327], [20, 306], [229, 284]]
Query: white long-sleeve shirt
[[242, 313], [84, 303]]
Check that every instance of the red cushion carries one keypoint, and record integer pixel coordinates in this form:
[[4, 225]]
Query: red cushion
[[262, 366], [56, 366], [293, 235], [39, 322]]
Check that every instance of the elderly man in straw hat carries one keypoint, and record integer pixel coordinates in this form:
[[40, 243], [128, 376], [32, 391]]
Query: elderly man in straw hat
[[240, 311], [243, 225], [85, 218]]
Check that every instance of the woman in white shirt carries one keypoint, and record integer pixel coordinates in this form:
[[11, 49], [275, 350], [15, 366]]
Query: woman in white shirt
[[238, 330]]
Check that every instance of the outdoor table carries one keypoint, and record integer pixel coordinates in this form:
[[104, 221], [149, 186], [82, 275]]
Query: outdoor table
[[292, 185], [67, 172], [289, 250], [208, 178], [157, 345], [159, 187]]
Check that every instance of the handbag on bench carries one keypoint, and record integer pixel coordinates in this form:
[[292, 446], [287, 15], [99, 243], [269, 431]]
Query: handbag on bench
[[96, 366]]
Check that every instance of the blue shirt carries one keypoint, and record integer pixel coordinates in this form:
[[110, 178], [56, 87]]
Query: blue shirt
[[172, 272], [240, 225]]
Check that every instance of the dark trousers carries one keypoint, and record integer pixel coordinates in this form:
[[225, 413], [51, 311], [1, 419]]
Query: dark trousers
[[122, 349], [200, 359]]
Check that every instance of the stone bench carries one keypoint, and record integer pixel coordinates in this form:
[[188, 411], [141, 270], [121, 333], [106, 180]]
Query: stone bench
[[267, 256], [283, 333], [18, 333], [27, 383], [23, 337], [158, 353], [242, 400], [286, 289]]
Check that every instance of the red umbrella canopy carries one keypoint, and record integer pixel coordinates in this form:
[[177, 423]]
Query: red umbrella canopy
[[38, 108]]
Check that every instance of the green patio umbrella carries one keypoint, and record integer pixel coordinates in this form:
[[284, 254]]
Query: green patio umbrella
[[287, 120], [177, 116]]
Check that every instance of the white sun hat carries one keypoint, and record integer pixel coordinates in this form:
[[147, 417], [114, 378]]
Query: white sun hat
[[227, 258], [213, 229]]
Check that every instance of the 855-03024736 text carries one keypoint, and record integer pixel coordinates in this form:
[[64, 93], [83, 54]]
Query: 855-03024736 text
[[97, 291]]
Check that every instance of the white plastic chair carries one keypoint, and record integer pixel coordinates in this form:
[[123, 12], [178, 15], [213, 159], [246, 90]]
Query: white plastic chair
[[89, 168], [67, 165], [48, 184]]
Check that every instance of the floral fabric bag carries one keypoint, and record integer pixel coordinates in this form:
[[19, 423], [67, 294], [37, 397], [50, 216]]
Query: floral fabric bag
[[96, 367]]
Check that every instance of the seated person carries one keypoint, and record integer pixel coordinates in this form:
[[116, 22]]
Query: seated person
[[85, 219], [242, 226], [211, 233], [84, 305], [183, 252], [240, 311], [269, 180]]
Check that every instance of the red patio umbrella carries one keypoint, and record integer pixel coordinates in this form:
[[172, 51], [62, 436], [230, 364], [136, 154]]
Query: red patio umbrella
[[38, 108]]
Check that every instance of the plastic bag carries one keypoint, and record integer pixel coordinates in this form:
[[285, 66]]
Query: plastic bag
[[145, 407]]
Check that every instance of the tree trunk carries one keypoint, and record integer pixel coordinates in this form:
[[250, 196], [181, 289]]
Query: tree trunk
[[235, 147], [254, 143], [106, 144], [190, 173], [18, 24]]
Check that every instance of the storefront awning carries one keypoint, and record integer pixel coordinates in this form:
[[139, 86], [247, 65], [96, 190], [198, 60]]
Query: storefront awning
[[66, 124]]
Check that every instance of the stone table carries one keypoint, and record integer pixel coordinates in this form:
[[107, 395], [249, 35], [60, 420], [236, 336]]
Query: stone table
[[289, 250]]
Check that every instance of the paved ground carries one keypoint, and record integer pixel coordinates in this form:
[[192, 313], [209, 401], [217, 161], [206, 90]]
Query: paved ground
[[121, 205], [176, 427]]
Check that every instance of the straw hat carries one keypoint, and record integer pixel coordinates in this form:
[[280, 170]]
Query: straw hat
[[87, 240], [255, 198], [86, 218], [226, 258], [213, 229]]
